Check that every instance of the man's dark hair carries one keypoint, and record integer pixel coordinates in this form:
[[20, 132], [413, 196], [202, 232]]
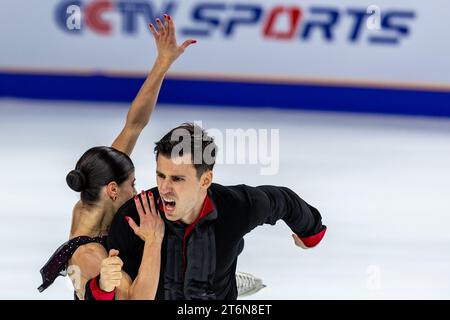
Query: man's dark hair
[[189, 137]]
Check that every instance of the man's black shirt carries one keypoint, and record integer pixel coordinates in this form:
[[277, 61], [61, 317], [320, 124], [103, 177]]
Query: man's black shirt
[[202, 265]]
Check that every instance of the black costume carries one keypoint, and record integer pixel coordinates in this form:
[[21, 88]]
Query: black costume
[[198, 261], [57, 264]]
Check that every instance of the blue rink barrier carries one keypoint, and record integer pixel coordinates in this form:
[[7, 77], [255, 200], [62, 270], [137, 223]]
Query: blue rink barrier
[[300, 96]]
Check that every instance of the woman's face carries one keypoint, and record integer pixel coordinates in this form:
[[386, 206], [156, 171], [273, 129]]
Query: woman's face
[[126, 190]]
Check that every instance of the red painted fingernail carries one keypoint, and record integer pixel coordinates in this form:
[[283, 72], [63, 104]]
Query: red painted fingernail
[[165, 15], [136, 197], [194, 41], [150, 194], [127, 218], [169, 18]]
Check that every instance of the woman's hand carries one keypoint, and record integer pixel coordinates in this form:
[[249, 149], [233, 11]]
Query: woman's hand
[[151, 227], [166, 42]]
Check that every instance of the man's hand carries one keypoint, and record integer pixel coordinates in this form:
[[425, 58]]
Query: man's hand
[[299, 242], [166, 42], [111, 271], [151, 228]]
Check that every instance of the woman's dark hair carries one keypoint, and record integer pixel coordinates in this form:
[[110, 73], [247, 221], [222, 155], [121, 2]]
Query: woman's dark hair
[[96, 168]]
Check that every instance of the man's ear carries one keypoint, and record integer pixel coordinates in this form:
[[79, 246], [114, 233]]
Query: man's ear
[[112, 190], [206, 179]]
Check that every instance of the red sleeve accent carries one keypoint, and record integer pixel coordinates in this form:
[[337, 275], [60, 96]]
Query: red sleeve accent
[[98, 293], [313, 240]]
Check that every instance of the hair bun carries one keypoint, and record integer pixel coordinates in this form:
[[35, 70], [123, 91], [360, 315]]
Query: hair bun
[[76, 180]]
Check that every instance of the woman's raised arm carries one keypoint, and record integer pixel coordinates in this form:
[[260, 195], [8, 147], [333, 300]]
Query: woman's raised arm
[[143, 105]]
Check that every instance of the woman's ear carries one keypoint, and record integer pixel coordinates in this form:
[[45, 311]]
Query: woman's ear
[[112, 190]]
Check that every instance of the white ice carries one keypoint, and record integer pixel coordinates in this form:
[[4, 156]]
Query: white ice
[[382, 184]]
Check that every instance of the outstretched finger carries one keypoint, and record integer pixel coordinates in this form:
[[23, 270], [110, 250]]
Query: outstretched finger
[[167, 23], [172, 26], [145, 202], [153, 30], [187, 43], [159, 214], [161, 29], [132, 224], [139, 209], [152, 202]]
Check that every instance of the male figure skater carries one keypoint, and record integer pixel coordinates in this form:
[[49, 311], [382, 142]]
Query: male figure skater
[[205, 222]]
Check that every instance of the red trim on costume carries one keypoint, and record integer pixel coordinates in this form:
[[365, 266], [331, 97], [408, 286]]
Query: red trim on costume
[[207, 208], [98, 293], [313, 240]]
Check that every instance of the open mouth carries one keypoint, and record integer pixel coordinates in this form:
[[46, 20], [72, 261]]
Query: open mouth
[[169, 205]]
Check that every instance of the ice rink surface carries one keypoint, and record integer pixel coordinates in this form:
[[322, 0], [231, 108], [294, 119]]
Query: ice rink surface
[[382, 184]]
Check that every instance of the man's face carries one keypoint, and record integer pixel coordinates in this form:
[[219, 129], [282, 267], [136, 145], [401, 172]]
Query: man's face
[[178, 186]]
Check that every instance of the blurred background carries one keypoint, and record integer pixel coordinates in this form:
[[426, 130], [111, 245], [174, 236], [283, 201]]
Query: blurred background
[[357, 91]]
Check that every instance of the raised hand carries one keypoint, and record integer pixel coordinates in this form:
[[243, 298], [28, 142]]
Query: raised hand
[[166, 42], [151, 225]]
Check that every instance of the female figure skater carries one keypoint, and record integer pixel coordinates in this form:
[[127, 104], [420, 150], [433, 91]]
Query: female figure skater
[[105, 178]]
